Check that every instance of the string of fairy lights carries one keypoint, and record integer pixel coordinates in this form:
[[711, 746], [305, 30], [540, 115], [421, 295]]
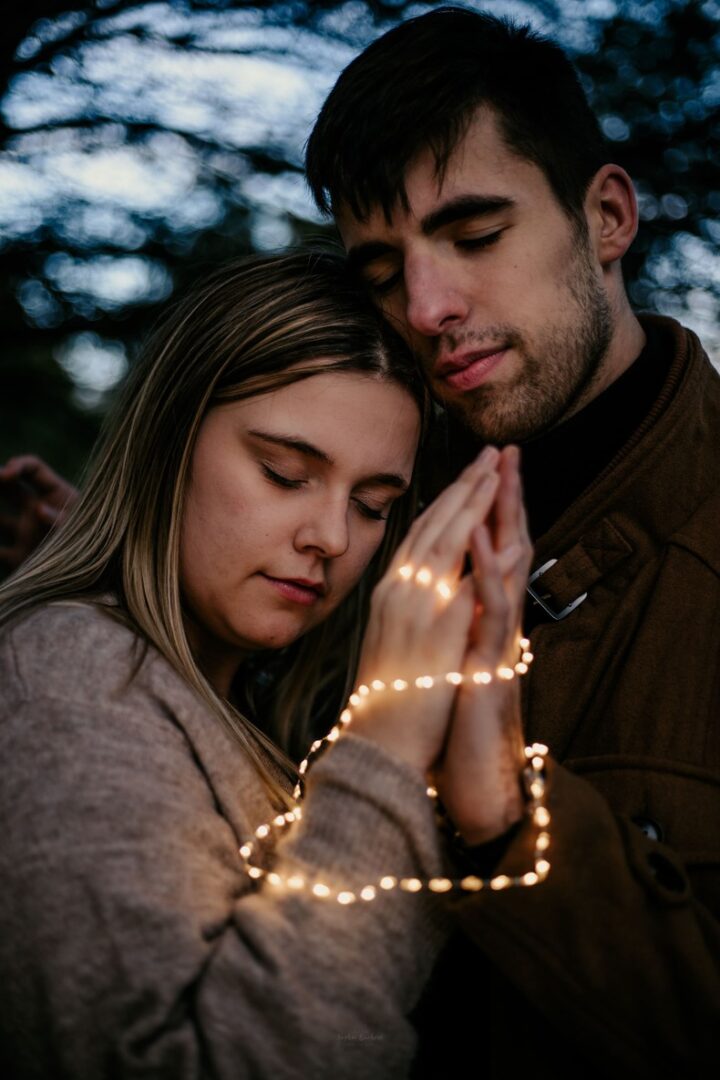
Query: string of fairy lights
[[533, 777]]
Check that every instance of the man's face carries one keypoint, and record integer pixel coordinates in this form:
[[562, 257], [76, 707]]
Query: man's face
[[495, 288]]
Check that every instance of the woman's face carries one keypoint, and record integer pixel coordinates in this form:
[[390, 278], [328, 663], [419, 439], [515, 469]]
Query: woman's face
[[287, 501]]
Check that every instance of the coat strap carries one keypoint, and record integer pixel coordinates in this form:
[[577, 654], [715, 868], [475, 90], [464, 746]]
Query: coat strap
[[560, 585]]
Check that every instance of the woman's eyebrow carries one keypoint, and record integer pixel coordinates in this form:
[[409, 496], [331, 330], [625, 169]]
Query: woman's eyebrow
[[292, 442], [302, 446], [392, 480]]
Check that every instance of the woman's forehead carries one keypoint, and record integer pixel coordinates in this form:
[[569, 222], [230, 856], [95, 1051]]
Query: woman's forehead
[[348, 418]]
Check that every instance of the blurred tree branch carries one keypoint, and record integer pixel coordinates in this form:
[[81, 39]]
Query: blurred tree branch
[[651, 74]]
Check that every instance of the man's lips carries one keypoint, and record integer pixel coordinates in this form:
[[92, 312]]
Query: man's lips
[[465, 371], [301, 590]]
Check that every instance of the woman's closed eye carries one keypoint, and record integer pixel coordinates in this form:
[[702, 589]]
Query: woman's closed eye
[[280, 479], [374, 503], [372, 512]]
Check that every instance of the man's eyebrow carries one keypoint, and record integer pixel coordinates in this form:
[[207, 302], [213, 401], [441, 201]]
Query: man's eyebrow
[[457, 209], [464, 206], [291, 442]]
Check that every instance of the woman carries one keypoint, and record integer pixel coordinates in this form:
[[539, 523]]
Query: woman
[[248, 491]]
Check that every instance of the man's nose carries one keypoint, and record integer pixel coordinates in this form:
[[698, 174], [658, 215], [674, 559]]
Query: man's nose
[[325, 529], [434, 304]]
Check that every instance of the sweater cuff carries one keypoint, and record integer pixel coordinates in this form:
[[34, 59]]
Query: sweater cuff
[[483, 859], [365, 814]]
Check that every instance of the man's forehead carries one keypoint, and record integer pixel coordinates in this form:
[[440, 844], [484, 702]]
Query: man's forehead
[[480, 168]]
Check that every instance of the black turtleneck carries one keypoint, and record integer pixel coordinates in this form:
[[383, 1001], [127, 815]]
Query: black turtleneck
[[560, 464]]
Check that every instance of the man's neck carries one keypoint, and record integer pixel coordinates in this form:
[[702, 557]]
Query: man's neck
[[560, 464], [627, 342]]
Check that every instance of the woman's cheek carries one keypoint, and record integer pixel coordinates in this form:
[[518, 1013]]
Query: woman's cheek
[[362, 560]]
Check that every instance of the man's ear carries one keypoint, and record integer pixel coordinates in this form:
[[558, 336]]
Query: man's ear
[[611, 212]]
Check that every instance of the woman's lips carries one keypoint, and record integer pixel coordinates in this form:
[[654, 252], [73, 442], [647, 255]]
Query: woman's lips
[[474, 373], [293, 590]]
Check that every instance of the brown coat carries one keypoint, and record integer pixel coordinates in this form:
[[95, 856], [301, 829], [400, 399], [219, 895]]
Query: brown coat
[[614, 962]]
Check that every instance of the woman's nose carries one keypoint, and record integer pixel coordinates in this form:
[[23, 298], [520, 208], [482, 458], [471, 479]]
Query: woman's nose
[[325, 530]]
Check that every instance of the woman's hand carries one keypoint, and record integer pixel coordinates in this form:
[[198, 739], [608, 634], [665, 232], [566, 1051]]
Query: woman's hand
[[421, 616], [35, 499], [478, 776]]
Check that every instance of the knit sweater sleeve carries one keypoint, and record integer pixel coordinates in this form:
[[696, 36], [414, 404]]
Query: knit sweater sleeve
[[132, 943]]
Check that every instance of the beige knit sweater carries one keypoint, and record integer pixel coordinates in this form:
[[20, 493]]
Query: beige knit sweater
[[132, 943]]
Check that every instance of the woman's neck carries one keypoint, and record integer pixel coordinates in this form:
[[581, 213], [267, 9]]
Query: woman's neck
[[218, 661]]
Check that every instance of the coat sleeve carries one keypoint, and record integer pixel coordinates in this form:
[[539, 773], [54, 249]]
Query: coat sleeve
[[614, 948], [132, 943]]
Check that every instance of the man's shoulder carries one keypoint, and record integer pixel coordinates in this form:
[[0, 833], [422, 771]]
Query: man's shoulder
[[683, 343], [699, 534]]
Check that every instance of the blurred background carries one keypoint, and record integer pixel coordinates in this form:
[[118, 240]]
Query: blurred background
[[142, 142]]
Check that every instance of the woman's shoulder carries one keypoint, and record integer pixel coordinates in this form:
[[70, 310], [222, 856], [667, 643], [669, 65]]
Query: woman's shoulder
[[76, 650]]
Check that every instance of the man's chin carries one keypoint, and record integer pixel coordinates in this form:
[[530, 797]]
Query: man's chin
[[483, 420], [499, 427]]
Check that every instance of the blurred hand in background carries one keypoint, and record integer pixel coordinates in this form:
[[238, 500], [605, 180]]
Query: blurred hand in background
[[33, 499]]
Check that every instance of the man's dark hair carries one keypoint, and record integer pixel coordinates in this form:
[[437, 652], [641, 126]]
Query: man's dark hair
[[419, 85]]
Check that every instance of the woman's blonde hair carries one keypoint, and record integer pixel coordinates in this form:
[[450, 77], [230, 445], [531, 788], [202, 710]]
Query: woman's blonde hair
[[246, 330]]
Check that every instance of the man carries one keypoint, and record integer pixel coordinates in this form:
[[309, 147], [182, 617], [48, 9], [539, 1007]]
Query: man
[[474, 193]]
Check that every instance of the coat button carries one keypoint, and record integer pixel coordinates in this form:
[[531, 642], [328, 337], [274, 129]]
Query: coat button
[[650, 828]]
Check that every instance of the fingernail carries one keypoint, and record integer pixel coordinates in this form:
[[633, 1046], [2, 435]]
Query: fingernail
[[490, 454]]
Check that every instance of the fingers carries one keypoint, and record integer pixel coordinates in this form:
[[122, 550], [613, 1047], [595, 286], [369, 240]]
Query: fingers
[[491, 642], [26, 518], [509, 521], [509, 558], [505, 511], [447, 522], [33, 469], [24, 523], [30, 472], [501, 562], [48, 515], [440, 564], [509, 512], [23, 467]]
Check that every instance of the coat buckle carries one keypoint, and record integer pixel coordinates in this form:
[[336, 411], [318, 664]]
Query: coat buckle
[[542, 600]]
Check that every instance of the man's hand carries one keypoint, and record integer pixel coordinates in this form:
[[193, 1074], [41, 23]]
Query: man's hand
[[34, 499], [478, 777]]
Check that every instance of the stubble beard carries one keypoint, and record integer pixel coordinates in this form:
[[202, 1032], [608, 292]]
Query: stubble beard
[[557, 372]]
